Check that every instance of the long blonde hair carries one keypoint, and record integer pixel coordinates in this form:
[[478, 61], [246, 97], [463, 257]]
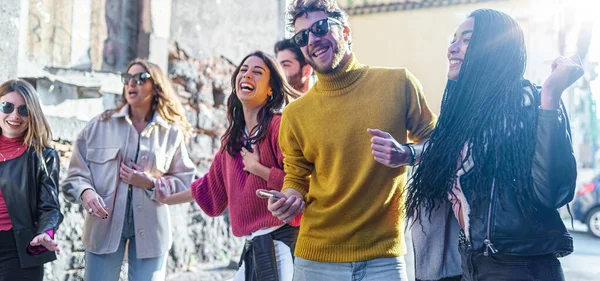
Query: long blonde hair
[[167, 105], [38, 134]]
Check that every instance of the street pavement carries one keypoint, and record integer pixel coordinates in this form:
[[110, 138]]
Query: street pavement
[[582, 265]]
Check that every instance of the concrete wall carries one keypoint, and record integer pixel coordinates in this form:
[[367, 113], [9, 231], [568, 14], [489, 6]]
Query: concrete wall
[[232, 28], [418, 40], [13, 36], [49, 32]]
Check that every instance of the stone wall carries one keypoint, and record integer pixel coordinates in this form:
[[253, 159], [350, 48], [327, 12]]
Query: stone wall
[[232, 28]]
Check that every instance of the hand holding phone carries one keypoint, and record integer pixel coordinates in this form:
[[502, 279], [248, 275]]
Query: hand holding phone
[[269, 194]]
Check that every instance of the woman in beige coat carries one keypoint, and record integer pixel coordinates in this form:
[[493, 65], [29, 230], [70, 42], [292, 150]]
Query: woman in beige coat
[[134, 145]]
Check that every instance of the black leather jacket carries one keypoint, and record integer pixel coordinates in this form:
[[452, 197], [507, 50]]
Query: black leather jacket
[[31, 195], [506, 230]]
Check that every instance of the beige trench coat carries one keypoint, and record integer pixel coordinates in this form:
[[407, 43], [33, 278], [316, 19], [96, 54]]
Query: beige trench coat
[[95, 164]]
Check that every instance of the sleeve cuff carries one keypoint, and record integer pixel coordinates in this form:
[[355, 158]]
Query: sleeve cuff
[[80, 198], [549, 112], [296, 187]]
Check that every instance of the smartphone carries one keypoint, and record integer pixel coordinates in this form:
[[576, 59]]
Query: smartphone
[[266, 194]]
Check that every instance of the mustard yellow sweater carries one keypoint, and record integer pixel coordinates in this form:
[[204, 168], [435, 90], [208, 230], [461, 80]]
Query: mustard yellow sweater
[[353, 210]]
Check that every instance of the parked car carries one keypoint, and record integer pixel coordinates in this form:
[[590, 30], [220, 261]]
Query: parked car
[[586, 206]]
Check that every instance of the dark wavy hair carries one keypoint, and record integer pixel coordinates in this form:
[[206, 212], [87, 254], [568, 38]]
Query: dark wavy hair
[[299, 8], [485, 109], [234, 136], [288, 44]]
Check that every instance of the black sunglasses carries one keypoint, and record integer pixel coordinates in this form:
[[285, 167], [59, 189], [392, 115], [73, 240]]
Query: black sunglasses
[[138, 78], [319, 28], [8, 108]]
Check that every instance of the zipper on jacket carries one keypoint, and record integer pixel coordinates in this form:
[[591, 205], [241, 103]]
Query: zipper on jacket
[[488, 243]]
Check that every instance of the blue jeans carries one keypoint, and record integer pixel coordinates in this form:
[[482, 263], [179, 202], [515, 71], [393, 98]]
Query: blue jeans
[[107, 267], [388, 269]]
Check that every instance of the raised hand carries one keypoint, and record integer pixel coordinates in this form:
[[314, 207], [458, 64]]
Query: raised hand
[[565, 71]]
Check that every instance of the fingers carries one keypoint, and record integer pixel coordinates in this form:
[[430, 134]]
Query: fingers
[[163, 190], [286, 209], [382, 155], [52, 245], [136, 166], [125, 170], [125, 173], [36, 241], [295, 209], [379, 133], [45, 240], [381, 148], [576, 59], [384, 161], [555, 64], [98, 207], [381, 141]]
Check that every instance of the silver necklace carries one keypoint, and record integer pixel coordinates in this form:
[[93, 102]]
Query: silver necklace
[[4, 157]]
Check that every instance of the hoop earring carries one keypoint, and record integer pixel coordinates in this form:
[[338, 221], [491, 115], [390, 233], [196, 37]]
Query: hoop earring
[[270, 98]]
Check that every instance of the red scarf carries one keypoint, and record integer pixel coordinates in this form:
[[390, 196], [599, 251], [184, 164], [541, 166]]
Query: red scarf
[[11, 148]]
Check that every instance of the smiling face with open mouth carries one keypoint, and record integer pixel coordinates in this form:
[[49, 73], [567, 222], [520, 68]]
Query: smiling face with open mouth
[[252, 82], [458, 48], [138, 95], [13, 124], [323, 53]]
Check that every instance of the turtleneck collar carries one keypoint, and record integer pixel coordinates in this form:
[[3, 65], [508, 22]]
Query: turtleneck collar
[[17, 140], [11, 148], [342, 77]]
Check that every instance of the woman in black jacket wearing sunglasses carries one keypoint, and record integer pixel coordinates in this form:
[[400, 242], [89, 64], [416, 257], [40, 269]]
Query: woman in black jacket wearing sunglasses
[[29, 168]]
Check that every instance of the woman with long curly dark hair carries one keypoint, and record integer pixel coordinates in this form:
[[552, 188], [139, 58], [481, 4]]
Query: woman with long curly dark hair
[[250, 161], [500, 156]]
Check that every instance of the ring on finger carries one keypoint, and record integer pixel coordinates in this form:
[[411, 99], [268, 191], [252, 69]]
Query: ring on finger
[[90, 211]]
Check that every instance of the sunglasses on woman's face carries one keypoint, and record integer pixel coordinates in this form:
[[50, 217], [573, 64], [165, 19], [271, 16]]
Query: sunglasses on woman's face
[[8, 108], [319, 28], [138, 78]]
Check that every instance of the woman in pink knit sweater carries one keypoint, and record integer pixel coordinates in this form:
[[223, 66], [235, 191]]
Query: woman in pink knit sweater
[[250, 160]]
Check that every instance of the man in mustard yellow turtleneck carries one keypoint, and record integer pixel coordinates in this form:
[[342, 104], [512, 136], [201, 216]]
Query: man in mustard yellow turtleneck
[[352, 224]]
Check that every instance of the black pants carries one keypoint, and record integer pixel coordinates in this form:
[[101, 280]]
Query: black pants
[[10, 266], [477, 267]]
